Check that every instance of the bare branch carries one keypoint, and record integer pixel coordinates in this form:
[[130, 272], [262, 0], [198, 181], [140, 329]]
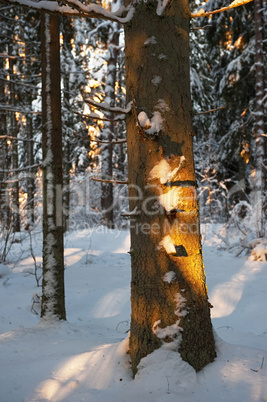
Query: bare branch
[[96, 116], [210, 111], [13, 109], [113, 142], [7, 56], [20, 169], [5, 8], [235, 3], [109, 181], [198, 28], [19, 83], [9, 137]]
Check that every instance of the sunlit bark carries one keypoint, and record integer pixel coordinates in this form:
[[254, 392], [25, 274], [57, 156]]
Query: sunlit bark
[[168, 290]]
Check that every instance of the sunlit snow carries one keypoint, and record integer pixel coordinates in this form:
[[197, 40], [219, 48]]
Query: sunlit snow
[[85, 358]]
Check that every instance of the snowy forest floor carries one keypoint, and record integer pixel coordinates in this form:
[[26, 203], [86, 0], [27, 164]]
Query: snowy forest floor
[[85, 359]]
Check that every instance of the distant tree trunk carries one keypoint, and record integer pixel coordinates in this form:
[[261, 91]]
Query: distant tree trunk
[[3, 146], [121, 157], [31, 173], [14, 134], [29, 151], [66, 182], [121, 149], [259, 129], [53, 294], [67, 161], [108, 131], [244, 155], [168, 290], [67, 36]]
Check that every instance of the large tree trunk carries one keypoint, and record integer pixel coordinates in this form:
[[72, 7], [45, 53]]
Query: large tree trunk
[[168, 290], [53, 296]]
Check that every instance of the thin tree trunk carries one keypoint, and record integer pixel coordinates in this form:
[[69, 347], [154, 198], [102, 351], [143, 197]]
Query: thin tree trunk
[[30, 153], [168, 291], [259, 128], [121, 129], [67, 36], [31, 173], [108, 132], [53, 294], [66, 192], [67, 161], [4, 199], [14, 134]]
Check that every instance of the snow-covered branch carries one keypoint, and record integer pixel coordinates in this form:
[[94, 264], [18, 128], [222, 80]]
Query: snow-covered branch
[[104, 106], [75, 8], [113, 142], [235, 3], [96, 30]]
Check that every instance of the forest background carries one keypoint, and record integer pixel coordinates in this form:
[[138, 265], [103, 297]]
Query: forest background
[[227, 114]]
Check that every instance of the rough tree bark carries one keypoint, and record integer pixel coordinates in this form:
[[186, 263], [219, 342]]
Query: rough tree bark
[[53, 295], [168, 289]]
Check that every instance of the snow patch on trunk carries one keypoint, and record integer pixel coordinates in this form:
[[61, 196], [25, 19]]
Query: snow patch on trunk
[[152, 126], [169, 200], [151, 41], [172, 331], [156, 80], [169, 276], [167, 244]]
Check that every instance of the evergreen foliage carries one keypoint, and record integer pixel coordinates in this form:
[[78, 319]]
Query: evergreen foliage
[[225, 145]]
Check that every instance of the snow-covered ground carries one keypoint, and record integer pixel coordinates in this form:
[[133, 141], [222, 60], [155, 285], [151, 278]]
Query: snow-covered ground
[[85, 359]]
